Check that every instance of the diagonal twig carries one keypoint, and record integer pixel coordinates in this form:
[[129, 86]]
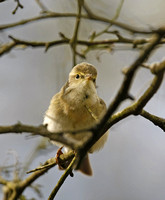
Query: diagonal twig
[[62, 179]]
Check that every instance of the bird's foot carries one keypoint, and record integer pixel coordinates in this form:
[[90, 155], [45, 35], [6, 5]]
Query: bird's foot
[[62, 165], [59, 162]]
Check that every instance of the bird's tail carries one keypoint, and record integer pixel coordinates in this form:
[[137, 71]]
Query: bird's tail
[[85, 166]]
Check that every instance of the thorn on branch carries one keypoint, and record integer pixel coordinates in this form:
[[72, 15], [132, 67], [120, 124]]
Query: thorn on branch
[[42, 7], [125, 70], [130, 96], [19, 5], [62, 35], [140, 41], [117, 34], [12, 38], [81, 55], [47, 45]]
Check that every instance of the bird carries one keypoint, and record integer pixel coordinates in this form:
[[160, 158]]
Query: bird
[[75, 107]]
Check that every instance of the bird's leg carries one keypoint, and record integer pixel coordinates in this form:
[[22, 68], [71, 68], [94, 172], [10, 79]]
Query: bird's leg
[[62, 164], [58, 160]]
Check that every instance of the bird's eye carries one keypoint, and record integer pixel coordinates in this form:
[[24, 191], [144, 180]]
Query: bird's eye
[[77, 76], [94, 80]]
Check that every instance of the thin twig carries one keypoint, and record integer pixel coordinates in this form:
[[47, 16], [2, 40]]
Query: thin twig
[[19, 5], [73, 41], [90, 16], [52, 161], [158, 121], [117, 13], [62, 179], [127, 27], [42, 6], [48, 15]]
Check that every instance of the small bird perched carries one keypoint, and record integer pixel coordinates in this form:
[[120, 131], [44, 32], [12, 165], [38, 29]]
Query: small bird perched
[[77, 107]]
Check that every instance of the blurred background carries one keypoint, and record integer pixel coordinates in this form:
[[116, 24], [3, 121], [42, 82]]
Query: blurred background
[[132, 163]]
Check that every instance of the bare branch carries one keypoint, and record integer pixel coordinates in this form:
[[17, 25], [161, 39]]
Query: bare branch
[[102, 127], [137, 107], [42, 131], [13, 189], [17, 42], [94, 17], [117, 13], [19, 5], [73, 41], [125, 86], [37, 18], [90, 16], [52, 161], [155, 68], [94, 44], [158, 121], [6, 48], [42, 6], [62, 179]]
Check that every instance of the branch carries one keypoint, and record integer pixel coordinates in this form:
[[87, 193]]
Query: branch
[[129, 75], [19, 5], [42, 131], [73, 41], [123, 92], [137, 107], [48, 15], [158, 121], [96, 44], [13, 189], [16, 42], [155, 68], [126, 27], [52, 161], [7, 48], [90, 16], [42, 6], [67, 172], [117, 13], [39, 130]]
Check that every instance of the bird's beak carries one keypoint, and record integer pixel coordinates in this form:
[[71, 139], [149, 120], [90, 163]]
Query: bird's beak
[[88, 76]]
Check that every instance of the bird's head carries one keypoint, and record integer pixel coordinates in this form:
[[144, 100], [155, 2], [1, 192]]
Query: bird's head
[[83, 74]]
